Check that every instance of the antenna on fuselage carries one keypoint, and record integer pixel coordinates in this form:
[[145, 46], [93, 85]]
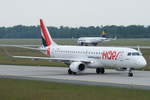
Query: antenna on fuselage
[[138, 48]]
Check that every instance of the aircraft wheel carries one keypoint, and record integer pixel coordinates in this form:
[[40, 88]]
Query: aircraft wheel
[[95, 44], [97, 70], [100, 70], [130, 74], [70, 72], [82, 43], [74, 73]]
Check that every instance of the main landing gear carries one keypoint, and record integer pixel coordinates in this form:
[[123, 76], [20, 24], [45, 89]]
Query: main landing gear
[[130, 74], [71, 72], [100, 70], [95, 44]]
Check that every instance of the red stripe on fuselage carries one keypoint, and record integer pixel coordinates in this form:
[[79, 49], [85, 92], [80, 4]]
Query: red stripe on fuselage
[[45, 33], [48, 52]]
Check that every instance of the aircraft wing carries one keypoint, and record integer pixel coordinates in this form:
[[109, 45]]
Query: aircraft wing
[[110, 39], [32, 47], [55, 59]]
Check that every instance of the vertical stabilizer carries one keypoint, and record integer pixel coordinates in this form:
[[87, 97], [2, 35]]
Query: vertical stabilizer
[[103, 34], [45, 35]]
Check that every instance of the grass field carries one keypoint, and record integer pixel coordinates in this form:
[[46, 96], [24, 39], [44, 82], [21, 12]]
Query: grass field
[[35, 41], [127, 42], [25, 52], [120, 42], [13, 89]]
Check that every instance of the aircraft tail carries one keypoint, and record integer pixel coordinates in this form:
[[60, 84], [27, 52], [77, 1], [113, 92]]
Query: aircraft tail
[[103, 34], [45, 35]]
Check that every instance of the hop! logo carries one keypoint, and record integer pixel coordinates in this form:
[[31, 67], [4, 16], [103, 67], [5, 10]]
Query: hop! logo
[[110, 55]]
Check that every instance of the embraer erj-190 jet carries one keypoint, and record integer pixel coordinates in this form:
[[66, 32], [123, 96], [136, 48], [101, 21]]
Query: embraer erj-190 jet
[[78, 58]]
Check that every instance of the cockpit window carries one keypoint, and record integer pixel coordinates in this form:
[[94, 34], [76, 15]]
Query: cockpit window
[[133, 54], [129, 54]]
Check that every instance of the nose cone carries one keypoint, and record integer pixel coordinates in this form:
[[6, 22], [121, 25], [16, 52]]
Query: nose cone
[[142, 62]]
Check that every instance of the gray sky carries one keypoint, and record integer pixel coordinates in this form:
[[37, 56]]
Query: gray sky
[[75, 12]]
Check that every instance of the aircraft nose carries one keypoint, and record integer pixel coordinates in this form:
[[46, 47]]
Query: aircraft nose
[[142, 62]]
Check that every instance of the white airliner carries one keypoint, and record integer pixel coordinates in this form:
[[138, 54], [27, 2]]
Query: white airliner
[[94, 40], [78, 58]]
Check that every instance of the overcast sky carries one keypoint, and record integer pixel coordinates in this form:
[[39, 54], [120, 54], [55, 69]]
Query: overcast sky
[[75, 13]]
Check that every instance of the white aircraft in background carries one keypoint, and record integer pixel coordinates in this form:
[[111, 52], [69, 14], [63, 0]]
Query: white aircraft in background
[[78, 58], [94, 40]]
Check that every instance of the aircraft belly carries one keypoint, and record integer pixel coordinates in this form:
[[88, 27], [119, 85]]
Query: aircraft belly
[[95, 64], [122, 63]]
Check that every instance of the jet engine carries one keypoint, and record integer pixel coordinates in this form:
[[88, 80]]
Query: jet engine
[[77, 66]]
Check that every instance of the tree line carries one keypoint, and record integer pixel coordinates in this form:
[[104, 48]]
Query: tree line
[[132, 31]]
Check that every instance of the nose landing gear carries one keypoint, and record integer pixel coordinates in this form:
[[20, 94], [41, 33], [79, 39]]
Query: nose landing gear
[[130, 74]]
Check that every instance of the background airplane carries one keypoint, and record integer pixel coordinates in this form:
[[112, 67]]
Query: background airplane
[[78, 58], [94, 40]]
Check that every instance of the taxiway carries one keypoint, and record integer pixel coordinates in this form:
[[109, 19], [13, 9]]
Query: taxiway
[[141, 79]]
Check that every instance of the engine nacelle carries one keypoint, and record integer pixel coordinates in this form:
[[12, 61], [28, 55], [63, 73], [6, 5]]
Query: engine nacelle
[[77, 66]]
